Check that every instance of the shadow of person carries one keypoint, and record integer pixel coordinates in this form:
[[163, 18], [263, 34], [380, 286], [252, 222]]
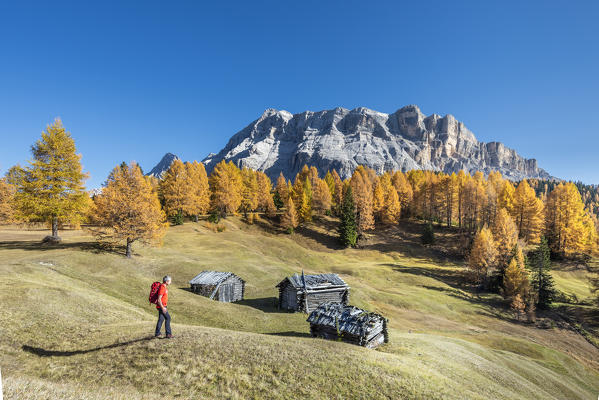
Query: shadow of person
[[38, 351]]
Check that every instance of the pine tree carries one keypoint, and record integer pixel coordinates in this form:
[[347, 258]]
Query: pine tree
[[226, 187], [348, 235], [528, 213], [428, 234], [51, 188], [128, 209], [175, 188], [289, 218], [505, 235], [197, 201], [7, 194], [542, 281], [482, 256]]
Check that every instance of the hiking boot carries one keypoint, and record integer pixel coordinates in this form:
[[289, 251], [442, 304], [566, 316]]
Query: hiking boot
[[169, 336], [156, 336]]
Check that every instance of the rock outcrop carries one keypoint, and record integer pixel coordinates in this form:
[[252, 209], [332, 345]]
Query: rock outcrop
[[164, 164], [342, 139]]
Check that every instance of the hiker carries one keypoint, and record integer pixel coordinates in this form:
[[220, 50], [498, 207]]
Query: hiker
[[163, 314]]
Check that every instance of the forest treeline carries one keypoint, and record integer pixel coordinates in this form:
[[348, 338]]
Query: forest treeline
[[503, 218]]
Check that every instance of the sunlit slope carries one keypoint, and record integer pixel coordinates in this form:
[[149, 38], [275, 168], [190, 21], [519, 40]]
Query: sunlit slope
[[76, 322]]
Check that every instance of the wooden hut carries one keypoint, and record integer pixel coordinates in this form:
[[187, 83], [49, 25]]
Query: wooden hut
[[216, 285], [351, 324], [306, 292]]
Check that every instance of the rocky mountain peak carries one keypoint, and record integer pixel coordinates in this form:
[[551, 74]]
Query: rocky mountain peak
[[342, 139], [162, 166]]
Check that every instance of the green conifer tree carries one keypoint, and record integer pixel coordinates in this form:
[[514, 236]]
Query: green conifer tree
[[348, 234], [542, 281]]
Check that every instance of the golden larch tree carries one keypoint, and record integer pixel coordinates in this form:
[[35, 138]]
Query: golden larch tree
[[505, 234], [482, 255], [265, 200], [198, 200], [378, 200], [282, 190], [50, 188], [289, 220], [249, 191], [7, 194], [391, 207], [505, 197], [305, 210], [361, 184], [128, 209], [321, 197], [527, 212], [175, 188], [226, 187], [516, 281], [566, 223]]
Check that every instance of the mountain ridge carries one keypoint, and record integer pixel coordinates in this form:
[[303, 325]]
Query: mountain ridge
[[341, 139]]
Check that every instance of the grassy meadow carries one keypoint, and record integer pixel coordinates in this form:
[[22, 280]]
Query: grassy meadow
[[76, 323]]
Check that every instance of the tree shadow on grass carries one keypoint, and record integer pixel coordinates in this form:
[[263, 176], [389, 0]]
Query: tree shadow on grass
[[460, 288], [264, 304], [289, 334], [92, 247], [38, 351]]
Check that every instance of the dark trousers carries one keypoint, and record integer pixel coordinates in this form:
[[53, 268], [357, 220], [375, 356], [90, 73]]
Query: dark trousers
[[163, 316]]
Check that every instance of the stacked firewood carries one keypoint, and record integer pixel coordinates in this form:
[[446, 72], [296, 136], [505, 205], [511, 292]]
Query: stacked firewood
[[349, 324]]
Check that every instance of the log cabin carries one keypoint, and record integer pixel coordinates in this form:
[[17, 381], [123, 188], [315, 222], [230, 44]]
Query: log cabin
[[216, 285], [306, 292]]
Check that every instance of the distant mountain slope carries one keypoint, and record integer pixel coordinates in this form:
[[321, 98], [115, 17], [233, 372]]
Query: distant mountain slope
[[163, 165], [342, 139]]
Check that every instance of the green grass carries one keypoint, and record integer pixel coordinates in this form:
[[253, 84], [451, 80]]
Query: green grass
[[76, 319]]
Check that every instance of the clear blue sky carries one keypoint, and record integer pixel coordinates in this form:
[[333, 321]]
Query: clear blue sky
[[133, 80]]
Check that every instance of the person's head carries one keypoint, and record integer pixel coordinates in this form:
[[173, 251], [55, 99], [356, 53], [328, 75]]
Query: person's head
[[166, 280]]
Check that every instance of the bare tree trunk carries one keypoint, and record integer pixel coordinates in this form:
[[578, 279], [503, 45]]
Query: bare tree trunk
[[196, 219], [55, 226], [128, 252]]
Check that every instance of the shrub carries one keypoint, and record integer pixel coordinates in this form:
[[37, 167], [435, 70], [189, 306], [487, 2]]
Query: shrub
[[428, 235]]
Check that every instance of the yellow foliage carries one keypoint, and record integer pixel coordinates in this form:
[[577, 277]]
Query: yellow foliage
[[7, 193], [505, 235], [175, 188], [197, 201], [51, 188], [128, 209], [527, 212], [569, 228], [515, 281], [289, 218], [483, 254], [226, 185]]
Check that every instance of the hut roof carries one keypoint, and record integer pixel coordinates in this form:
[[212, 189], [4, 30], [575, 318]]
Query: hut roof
[[351, 319], [211, 277], [320, 281]]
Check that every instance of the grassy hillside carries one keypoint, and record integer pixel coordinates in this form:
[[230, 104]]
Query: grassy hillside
[[77, 324]]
